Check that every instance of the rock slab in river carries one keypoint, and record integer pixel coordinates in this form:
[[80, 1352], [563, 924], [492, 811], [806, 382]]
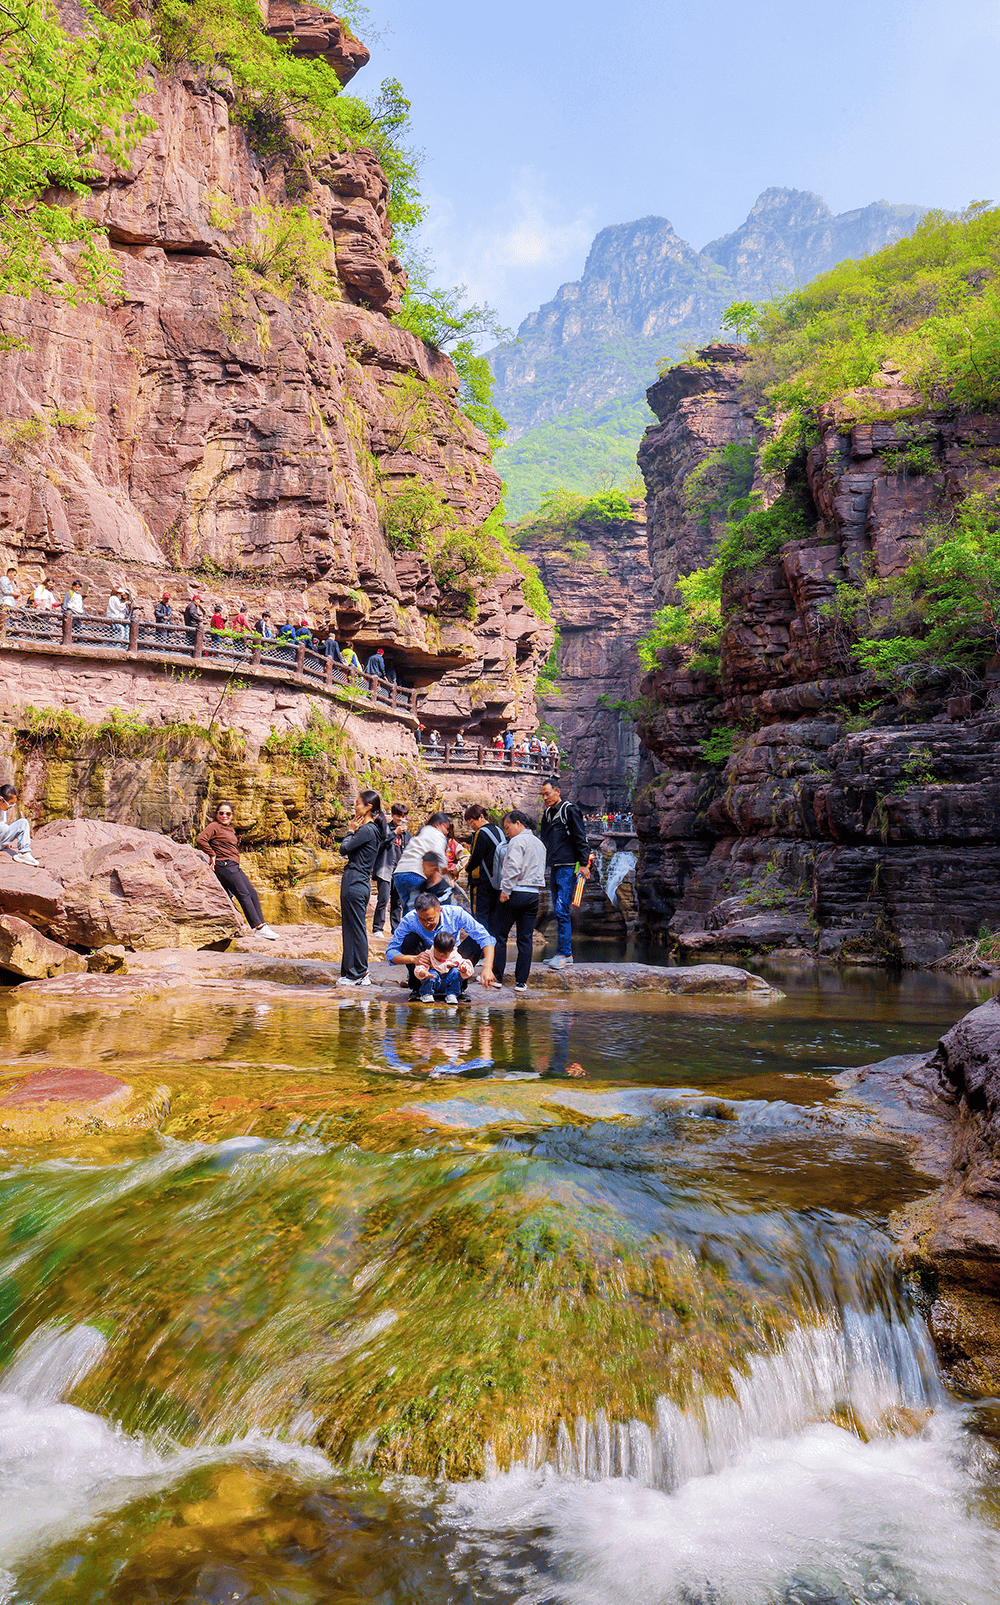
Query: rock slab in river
[[715, 979]]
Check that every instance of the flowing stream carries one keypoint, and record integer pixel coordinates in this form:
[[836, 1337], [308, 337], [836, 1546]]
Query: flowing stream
[[386, 1308]]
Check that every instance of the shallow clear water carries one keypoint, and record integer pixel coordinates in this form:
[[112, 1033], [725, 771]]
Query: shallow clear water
[[375, 1313]]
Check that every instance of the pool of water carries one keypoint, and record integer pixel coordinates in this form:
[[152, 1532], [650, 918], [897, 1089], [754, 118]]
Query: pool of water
[[386, 1308]]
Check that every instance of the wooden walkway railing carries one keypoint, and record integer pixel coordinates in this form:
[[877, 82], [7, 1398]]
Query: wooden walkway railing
[[281, 660], [468, 756]]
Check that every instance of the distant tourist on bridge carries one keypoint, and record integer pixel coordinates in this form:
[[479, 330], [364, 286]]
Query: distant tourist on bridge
[[162, 615], [10, 590], [565, 836], [349, 658], [508, 741], [15, 834], [72, 602], [376, 664], [221, 843], [459, 739], [117, 611], [193, 618], [42, 597]]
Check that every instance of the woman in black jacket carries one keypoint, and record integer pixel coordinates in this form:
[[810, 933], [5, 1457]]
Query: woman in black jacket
[[361, 847]]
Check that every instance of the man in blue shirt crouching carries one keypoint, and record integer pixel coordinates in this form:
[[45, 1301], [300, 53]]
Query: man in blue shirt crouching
[[415, 934]]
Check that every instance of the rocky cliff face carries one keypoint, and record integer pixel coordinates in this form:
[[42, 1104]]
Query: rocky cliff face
[[220, 429], [602, 601], [847, 821]]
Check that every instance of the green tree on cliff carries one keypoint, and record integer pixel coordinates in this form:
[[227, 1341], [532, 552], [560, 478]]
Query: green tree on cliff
[[66, 104]]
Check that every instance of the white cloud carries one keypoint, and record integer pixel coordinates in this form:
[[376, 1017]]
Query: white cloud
[[517, 256]]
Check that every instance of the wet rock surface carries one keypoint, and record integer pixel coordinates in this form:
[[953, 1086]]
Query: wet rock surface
[[25, 952], [947, 1105]]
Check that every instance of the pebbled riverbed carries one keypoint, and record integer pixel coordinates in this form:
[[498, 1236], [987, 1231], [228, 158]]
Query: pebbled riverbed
[[376, 1303]]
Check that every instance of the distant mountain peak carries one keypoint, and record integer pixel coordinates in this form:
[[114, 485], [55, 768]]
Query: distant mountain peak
[[645, 294]]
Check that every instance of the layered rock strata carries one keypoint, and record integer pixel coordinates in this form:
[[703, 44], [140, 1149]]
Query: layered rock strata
[[602, 602], [849, 821], [220, 429]]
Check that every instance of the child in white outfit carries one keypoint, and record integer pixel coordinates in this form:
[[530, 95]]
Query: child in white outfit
[[442, 969]]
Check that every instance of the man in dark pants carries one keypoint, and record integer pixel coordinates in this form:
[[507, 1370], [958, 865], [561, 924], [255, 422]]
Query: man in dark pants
[[415, 934], [565, 836], [484, 885], [520, 885]]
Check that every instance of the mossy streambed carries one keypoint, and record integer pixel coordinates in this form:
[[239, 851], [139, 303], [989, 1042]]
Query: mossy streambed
[[345, 1301]]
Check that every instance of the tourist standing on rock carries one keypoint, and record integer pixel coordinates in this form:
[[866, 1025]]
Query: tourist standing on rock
[[430, 838], [220, 841], [15, 834], [401, 832], [565, 836], [361, 847], [521, 882], [385, 868], [483, 868]]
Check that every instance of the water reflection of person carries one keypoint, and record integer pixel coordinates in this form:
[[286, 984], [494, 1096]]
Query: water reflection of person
[[439, 1052], [559, 1066]]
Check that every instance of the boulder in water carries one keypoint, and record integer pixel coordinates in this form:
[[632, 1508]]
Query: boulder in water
[[718, 980]]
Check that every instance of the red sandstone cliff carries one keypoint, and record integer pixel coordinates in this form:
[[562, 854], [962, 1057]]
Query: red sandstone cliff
[[602, 602], [213, 430], [818, 833]]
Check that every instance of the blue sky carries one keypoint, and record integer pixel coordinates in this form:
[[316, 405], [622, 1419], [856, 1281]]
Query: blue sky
[[543, 122]]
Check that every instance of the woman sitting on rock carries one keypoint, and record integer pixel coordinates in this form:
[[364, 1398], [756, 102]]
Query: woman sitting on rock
[[220, 842]]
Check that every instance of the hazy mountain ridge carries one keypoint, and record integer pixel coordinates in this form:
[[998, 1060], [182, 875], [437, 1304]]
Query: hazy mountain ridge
[[645, 294]]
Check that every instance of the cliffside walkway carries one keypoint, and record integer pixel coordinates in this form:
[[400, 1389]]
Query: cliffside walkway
[[470, 757], [86, 636]]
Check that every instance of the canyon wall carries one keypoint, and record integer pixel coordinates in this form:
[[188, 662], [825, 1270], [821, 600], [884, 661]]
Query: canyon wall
[[602, 602], [850, 820], [221, 429]]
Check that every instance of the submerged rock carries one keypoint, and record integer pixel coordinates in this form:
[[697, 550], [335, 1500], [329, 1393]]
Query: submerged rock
[[719, 980]]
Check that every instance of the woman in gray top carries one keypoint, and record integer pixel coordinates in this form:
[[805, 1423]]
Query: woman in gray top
[[521, 881]]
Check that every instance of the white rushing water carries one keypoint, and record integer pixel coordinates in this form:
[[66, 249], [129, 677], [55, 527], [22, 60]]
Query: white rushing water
[[757, 1500], [62, 1467], [614, 870]]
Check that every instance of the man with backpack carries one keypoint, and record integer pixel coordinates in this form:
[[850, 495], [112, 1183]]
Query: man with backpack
[[485, 866], [565, 836]]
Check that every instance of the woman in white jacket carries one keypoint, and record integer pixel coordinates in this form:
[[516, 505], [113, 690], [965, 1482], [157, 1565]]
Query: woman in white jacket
[[409, 875], [520, 884]]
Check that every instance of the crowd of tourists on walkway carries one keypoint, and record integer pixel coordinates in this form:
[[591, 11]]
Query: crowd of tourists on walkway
[[439, 929], [618, 824], [500, 746], [226, 626]]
